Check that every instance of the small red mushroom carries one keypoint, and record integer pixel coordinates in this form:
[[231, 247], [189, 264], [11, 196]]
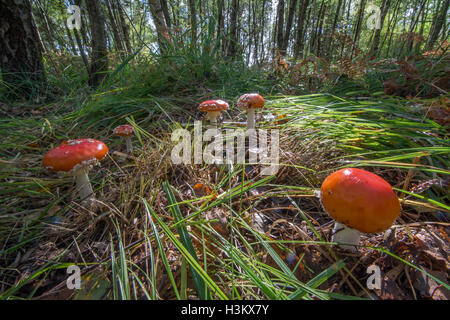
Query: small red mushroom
[[213, 108], [76, 157], [250, 102], [126, 131], [360, 202]]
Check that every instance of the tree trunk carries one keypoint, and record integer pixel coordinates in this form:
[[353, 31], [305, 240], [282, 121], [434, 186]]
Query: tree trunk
[[193, 20], [220, 18], [233, 41], [319, 31], [160, 24], [263, 27], [329, 48], [99, 59], [280, 25], [437, 25], [165, 9], [394, 23], [116, 6], [114, 27], [300, 28], [359, 21], [20, 51], [376, 38], [287, 32]]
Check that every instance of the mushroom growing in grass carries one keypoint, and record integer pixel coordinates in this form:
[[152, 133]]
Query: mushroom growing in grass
[[360, 202], [76, 157], [213, 109], [250, 102], [126, 131]]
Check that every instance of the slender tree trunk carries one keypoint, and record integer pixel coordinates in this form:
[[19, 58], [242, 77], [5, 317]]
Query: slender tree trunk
[[262, 34], [254, 34], [63, 10], [359, 21], [165, 9], [125, 29], [329, 46], [99, 56], [280, 25], [220, 18], [313, 28], [319, 31], [160, 24], [20, 51], [414, 23], [233, 41], [83, 31], [43, 15], [287, 32], [300, 27], [439, 21], [193, 20], [114, 27], [376, 38]]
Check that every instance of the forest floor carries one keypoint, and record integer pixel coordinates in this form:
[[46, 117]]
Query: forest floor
[[253, 236]]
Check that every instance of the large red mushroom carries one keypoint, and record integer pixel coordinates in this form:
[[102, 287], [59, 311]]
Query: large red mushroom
[[360, 202], [76, 157]]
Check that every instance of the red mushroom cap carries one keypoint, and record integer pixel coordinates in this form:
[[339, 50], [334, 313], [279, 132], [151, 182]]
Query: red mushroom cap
[[74, 154], [360, 199], [250, 100], [125, 130], [213, 105]]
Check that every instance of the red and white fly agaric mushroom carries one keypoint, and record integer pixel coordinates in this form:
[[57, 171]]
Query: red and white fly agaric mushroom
[[360, 202], [213, 109], [250, 102], [126, 131], [76, 157]]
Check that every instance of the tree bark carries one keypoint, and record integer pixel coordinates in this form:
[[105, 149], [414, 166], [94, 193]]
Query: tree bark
[[160, 24], [20, 51], [125, 29], [287, 32], [376, 38], [359, 20], [330, 49], [233, 37], [319, 31], [300, 28], [280, 24], [439, 21], [114, 27], [99, 59], [193, 20]]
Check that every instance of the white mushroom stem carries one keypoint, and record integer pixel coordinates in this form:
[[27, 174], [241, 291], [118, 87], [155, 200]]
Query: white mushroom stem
[[83, 184], [211, 116], [250, 118], [129, 144], [344, 234]]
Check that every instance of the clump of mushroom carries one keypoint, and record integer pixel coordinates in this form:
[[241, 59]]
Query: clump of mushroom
[[213, 109], [360, 202], [250, 102], [76, 157], [126, 131]]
